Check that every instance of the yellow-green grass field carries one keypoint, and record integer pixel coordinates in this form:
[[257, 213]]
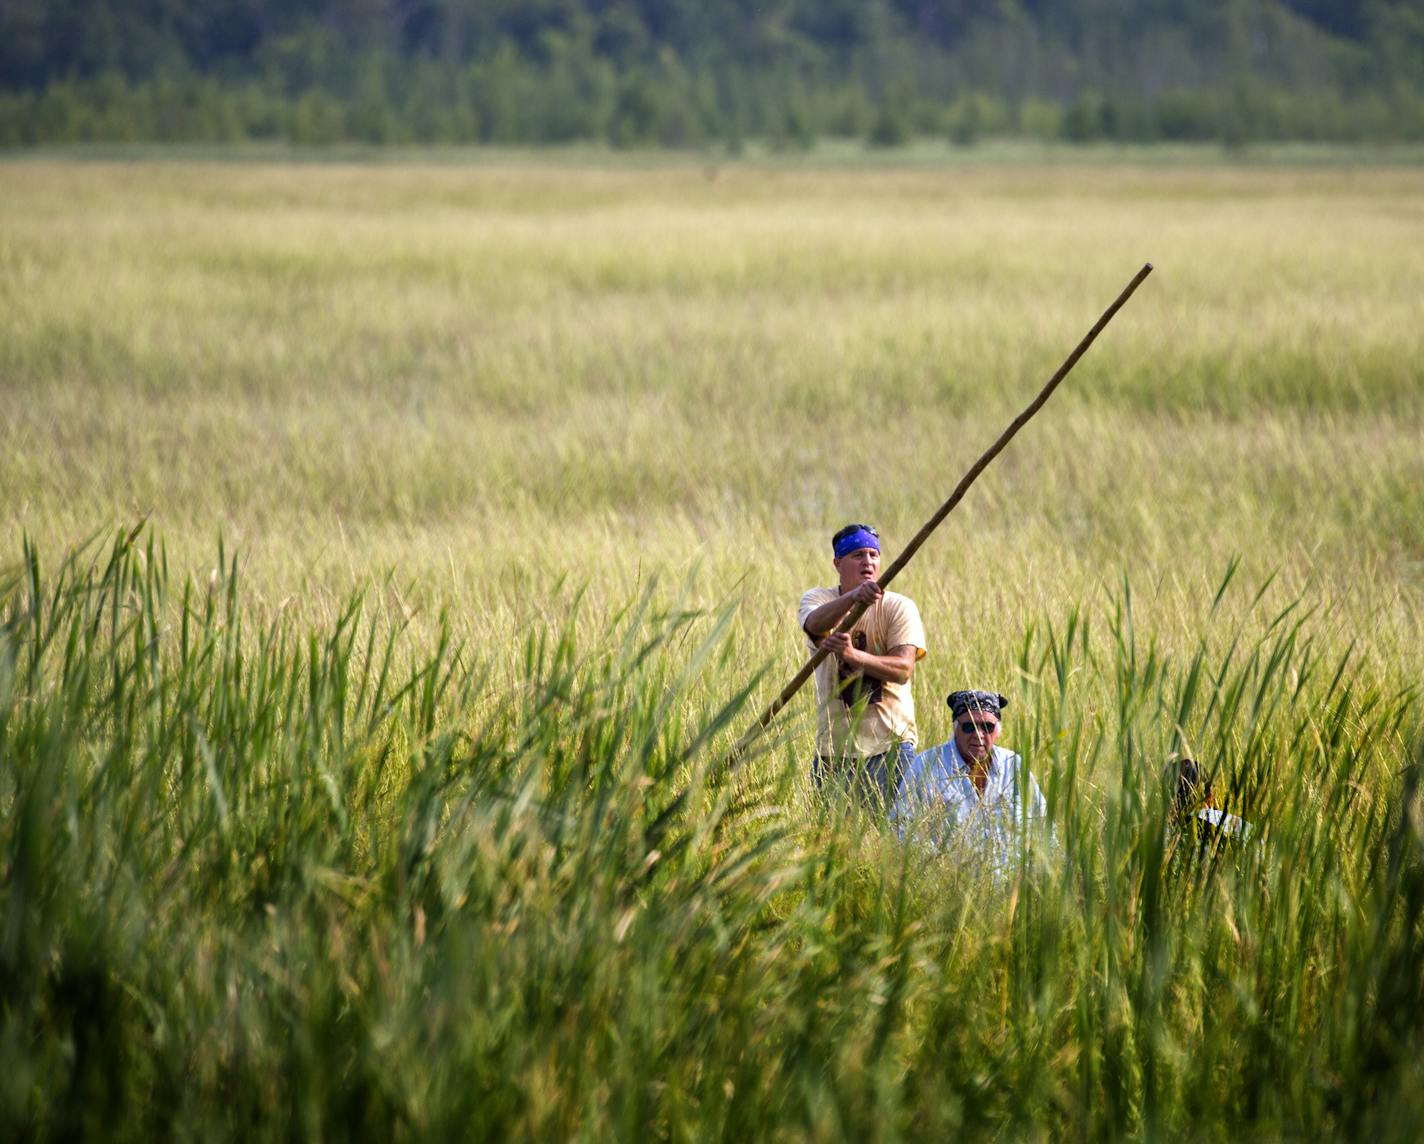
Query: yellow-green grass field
[[519, 393], [490, 377]]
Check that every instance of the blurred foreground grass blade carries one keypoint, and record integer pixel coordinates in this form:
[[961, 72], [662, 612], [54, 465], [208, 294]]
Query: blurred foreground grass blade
[[260, 878]]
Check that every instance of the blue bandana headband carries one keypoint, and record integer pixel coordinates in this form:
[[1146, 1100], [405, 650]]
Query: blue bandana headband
[[990, 702], [855, 541]]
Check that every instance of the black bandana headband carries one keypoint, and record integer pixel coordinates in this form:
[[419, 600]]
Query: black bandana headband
[[990, 702]]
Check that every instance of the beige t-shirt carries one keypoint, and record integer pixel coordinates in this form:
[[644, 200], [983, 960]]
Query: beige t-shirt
[[890, 710]]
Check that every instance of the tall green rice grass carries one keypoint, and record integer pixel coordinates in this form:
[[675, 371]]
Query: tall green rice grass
[[273, 878]]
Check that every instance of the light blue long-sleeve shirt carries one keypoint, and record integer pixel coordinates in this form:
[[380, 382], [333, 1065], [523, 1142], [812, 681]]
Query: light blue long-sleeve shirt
[[938, 803]]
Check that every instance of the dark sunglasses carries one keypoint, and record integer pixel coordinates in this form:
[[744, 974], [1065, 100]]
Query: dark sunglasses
[[969, 726]]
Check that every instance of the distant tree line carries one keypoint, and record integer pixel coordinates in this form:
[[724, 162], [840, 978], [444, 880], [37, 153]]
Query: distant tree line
[[705, 72]]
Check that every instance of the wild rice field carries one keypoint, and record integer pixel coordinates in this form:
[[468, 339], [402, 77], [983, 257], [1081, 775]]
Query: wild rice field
[[392, 550]]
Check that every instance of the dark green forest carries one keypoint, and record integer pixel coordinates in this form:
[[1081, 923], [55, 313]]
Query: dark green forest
[[709, 73]]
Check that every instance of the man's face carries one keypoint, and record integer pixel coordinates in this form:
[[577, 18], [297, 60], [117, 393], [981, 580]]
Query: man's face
[[976, 744], [857, 567]]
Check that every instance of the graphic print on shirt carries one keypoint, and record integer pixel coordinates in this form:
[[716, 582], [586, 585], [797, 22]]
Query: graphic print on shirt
[[852, 685]]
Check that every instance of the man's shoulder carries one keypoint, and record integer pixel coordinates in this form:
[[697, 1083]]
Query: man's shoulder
[[940, 756], [897, 606], [901, 620], [1010, 764], [1007, 759], [810, 601]]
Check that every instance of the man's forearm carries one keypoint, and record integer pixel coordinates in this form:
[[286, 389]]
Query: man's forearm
[[823, 619], [891, 668]]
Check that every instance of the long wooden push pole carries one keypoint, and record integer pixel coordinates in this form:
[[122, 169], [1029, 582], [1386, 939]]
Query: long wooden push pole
[[896, 566]]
